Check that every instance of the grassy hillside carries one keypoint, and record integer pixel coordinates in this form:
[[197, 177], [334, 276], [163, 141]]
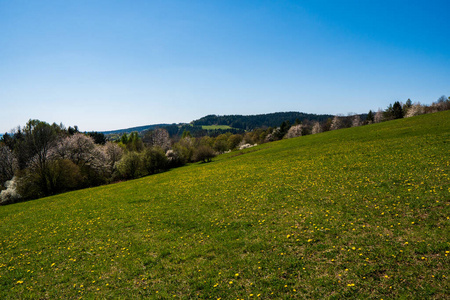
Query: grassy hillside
[[360, 213]]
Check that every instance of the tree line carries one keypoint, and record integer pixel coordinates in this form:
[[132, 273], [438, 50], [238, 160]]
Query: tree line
[[44, 159]]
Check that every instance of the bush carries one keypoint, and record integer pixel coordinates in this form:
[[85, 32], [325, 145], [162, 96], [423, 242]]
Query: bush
[[234, 141], [154, 160], [184, 149], [130, 166], [8, 164], [204, 154], [113, 153], [220, 145], [316, 128], [174, 159], [64, 176], [294, 131], [10, 195], [415, 110]]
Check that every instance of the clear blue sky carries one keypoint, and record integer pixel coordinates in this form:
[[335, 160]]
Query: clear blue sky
[[113, 64]]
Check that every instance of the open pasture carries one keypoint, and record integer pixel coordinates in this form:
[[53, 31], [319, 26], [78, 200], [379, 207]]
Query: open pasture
[[214, 127], [353, 213]]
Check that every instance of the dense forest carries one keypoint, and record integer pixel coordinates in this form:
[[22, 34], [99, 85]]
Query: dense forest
[[257, 121], [42, 159]]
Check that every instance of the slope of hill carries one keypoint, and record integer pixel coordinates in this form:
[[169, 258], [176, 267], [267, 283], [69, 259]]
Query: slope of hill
[[353, 213], [137, 129]]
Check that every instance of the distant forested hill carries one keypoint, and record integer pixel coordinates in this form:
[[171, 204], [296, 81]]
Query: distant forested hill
[[238, 123], [138, 129], [254, 121]]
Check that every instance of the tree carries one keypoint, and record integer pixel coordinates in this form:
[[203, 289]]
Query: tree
[[234, 141], [221, 143], [284, 127], [99, 138], [21, 150], [8, 164], [64, 176], [186, 133], [154, 160], [408, 103], [10, 195], [442, 99], [39, 139], [134, 142], [113, 154], [379, 116], [158, 138], [130, 166], [90, 158], [204, 154], [124, 138], [370, 117], [443, 103], [78, 148], [336, 123], [294, 131], [184, 149], [356, 121], [397, 111], [8, 141], [72, 131], [206, 140], [174, 159], [316, 128], [415, 110]]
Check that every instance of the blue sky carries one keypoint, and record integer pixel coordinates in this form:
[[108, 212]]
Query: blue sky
[[106, 65]]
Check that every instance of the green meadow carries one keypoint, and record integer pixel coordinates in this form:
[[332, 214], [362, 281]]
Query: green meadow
[[353, 213], [213, 127]]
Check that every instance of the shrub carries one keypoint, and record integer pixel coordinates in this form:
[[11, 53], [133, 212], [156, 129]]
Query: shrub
[[294, 131], [415, 110], [8, 164], [10, 195], [378, 116], [64, 176], [316, 128], [154, 160], [356, 121], [204, 154], [113, 154], [220, 146], [185, 149], [234, 141], [246, 146], [158, 138], [174, 159], [130, 166], [336, 123]]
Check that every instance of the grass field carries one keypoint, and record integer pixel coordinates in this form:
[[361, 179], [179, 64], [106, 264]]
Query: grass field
[[213, 127], [354, 213]]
